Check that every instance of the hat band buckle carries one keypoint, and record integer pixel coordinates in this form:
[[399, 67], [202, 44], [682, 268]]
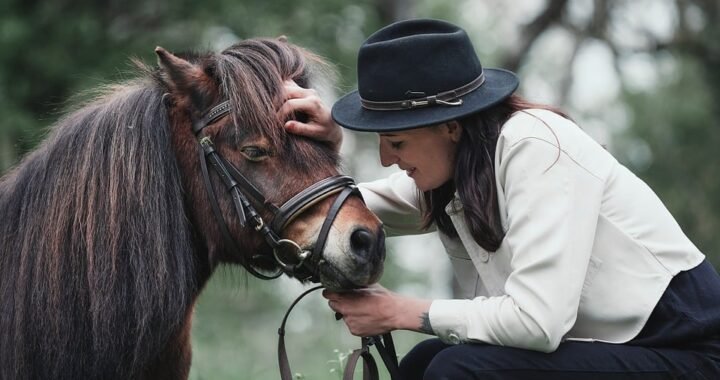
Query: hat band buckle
[[446, 98]]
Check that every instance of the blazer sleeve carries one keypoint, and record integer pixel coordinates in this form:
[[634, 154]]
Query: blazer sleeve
[[552, 208], [396, 201]]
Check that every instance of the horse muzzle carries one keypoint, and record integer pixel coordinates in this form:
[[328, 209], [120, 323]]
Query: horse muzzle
[[358, 265]]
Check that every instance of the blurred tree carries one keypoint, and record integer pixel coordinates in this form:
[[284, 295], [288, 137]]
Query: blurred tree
[[52, 49], [680, 123]]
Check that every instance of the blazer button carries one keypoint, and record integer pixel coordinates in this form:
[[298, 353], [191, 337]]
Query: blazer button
[[453, 338]]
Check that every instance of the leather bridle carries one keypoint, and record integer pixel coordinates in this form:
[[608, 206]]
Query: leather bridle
[[245, 196]]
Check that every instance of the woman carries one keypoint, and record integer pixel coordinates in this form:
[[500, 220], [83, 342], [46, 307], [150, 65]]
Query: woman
[[569, 266]]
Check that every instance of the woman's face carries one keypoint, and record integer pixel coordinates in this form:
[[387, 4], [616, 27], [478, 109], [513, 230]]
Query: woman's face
[[427, 154]]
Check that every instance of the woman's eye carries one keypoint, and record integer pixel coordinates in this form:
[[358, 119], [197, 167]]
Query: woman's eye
[[254, 153], [396, 144]]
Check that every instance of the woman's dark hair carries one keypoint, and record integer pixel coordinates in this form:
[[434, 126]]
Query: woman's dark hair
[[474, 178]]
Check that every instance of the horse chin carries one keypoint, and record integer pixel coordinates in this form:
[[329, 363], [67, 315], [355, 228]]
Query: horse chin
[[337, 279]]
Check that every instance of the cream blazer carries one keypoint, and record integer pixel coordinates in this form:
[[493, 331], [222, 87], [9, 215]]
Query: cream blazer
[[588, 252]]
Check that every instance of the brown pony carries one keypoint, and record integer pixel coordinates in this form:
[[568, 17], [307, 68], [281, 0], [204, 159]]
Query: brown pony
[[108, 234]]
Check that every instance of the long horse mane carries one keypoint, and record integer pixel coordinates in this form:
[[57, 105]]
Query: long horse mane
[[95, 239], [251, 74]]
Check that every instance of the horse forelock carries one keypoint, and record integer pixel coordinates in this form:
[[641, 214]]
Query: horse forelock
[[96, 260], [251, 75]]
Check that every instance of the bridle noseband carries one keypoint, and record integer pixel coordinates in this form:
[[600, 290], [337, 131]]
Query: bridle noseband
[[245, 196]]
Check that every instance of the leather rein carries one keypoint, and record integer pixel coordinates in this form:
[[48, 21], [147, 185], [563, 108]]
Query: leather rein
[[383, 343]]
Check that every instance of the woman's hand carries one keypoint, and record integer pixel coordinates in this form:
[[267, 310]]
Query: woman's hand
[[319, 124], [375, 310]]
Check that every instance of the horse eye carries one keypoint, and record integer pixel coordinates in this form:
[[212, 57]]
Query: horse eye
[[254, 153]]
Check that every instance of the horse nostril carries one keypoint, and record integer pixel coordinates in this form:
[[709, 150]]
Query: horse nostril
[[361, 241]]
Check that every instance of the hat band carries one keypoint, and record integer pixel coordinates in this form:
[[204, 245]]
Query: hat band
[[446, 98]]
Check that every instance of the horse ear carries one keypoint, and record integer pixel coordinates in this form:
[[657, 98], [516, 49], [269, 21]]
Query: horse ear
[[182, 76]]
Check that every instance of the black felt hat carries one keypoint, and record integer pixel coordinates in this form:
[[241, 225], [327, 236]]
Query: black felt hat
[[416, 73]]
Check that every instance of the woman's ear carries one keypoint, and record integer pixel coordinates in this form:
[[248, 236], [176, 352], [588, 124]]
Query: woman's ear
[[455, 130]]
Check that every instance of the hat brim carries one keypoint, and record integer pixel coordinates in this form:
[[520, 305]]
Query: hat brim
[[349, 113]]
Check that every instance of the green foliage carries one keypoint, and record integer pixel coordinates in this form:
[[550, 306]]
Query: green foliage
[[51, 50]]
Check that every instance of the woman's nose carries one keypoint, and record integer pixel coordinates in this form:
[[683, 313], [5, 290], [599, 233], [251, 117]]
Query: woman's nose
[[386, 157]]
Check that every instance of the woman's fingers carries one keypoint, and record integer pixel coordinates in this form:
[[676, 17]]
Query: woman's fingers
[[305, 100], [357, 309], [292, 90], [316, 122]]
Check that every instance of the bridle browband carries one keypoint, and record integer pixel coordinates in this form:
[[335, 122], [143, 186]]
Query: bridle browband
[[245, 196]]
